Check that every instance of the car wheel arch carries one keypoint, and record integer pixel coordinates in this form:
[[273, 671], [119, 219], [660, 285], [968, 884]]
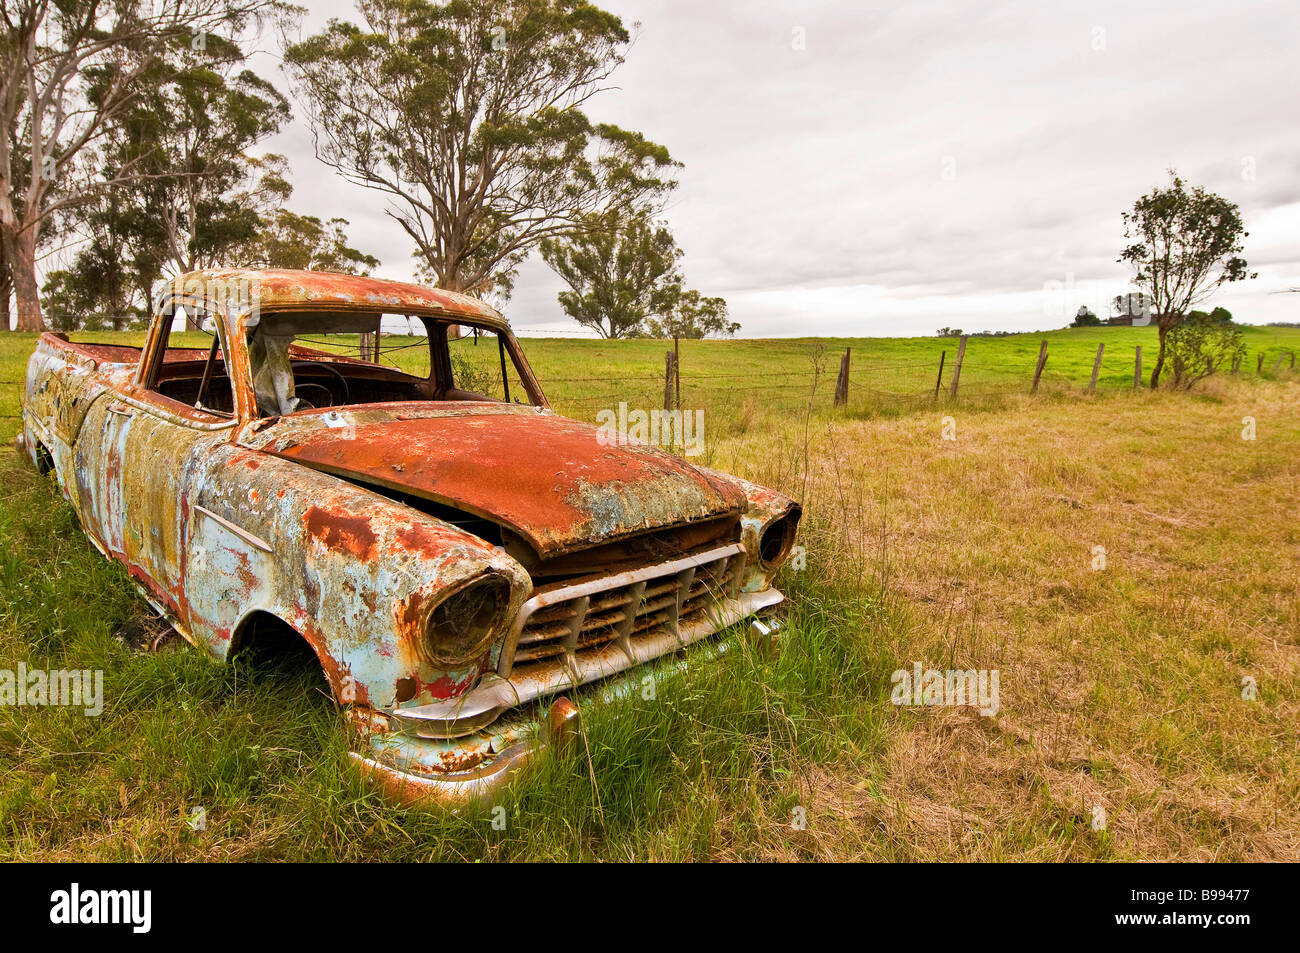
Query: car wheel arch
[[265, 631]]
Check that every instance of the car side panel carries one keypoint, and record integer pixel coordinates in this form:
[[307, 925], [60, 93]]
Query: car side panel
[[97, 461], [353, 572]]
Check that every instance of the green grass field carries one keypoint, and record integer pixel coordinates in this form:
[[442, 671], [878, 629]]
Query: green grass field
[[733, 378], [1121, 687]]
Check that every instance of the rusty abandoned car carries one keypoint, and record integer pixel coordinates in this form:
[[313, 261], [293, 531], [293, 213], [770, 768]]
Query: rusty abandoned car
[[455, 554]]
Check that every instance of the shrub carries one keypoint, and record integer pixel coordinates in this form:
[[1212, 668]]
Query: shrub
[[1202, 343]]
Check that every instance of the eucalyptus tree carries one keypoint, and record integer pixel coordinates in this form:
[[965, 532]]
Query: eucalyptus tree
[[67, 69], [469, 118], [289, 240], [694, 315], [624, 280], [194, 135], [197, 192], [619, 271]]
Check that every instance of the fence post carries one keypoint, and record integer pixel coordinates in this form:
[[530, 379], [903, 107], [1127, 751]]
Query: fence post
[[1259, 365], [1236, 365], [1293, 360], [1137, 368], [668, 380], [1277, 364], [1038, 368], [956, 367], [1096, 368], [369, 347], [842, 385], [677, 371], [939, 380]]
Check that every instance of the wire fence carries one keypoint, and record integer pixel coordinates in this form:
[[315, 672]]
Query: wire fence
[[957, 372]]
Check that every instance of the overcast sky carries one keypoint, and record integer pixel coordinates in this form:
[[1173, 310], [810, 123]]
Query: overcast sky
[[890, 168]]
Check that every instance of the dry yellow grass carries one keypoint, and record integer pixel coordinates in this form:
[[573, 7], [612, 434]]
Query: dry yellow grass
[[1121, 688]]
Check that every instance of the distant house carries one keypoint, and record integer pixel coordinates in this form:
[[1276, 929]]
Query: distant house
[[1130, 320], [1131, 310]]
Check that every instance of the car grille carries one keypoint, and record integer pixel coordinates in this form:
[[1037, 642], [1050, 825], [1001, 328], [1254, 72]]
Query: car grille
[[568, 622]]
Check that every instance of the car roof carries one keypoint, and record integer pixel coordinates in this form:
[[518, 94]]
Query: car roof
[[284, 289]]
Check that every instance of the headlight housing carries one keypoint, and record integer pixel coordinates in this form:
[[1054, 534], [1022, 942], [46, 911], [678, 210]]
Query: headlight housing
[[777, 538], [463, 623]]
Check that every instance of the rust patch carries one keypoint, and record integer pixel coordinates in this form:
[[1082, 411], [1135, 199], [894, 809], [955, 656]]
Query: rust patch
[[275, 288], [342, 532], [454, 761], [549, 479], [338, 676], [448, 687], [244, 570], [421, 538], [410, 616]]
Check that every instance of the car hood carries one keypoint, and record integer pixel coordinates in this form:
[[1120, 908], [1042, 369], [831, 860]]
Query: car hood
[[551, 480]]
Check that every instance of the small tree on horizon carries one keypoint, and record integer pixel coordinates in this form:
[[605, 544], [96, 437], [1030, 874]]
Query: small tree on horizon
[[1186, 243], [289, 240], [1085, 318], [693, 316]]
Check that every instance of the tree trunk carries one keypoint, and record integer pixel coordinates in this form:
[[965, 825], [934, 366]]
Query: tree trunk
[[452, 283], [23, 268], [1160, 359], [193, 319], [6, 288], [146, 290]]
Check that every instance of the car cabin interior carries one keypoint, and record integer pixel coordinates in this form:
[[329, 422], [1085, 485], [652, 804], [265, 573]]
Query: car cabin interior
[[305, 360]]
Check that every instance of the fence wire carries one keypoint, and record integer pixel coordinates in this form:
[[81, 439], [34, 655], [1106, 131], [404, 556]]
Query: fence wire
[[873, 386]]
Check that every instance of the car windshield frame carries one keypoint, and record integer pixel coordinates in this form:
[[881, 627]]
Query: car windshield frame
[[313, 323]]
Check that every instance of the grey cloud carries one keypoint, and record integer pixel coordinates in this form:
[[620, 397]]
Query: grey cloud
[[824, 168]]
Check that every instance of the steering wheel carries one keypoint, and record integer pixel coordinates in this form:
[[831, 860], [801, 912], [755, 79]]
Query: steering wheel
[[347, 394], [304, 404]]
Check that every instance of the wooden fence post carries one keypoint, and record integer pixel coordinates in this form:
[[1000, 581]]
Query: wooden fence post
[[1038, 368], [1236, 365], [1277, 364], [1293, 360], [1259, 365], [1096, 368], [369, 347], [677, 371], [956, 367], [939, 380], [668, 380], [1137, 368], [842, 385]]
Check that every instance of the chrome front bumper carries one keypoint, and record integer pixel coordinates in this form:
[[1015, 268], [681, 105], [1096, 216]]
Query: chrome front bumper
[[496, 694], [469, 748]]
